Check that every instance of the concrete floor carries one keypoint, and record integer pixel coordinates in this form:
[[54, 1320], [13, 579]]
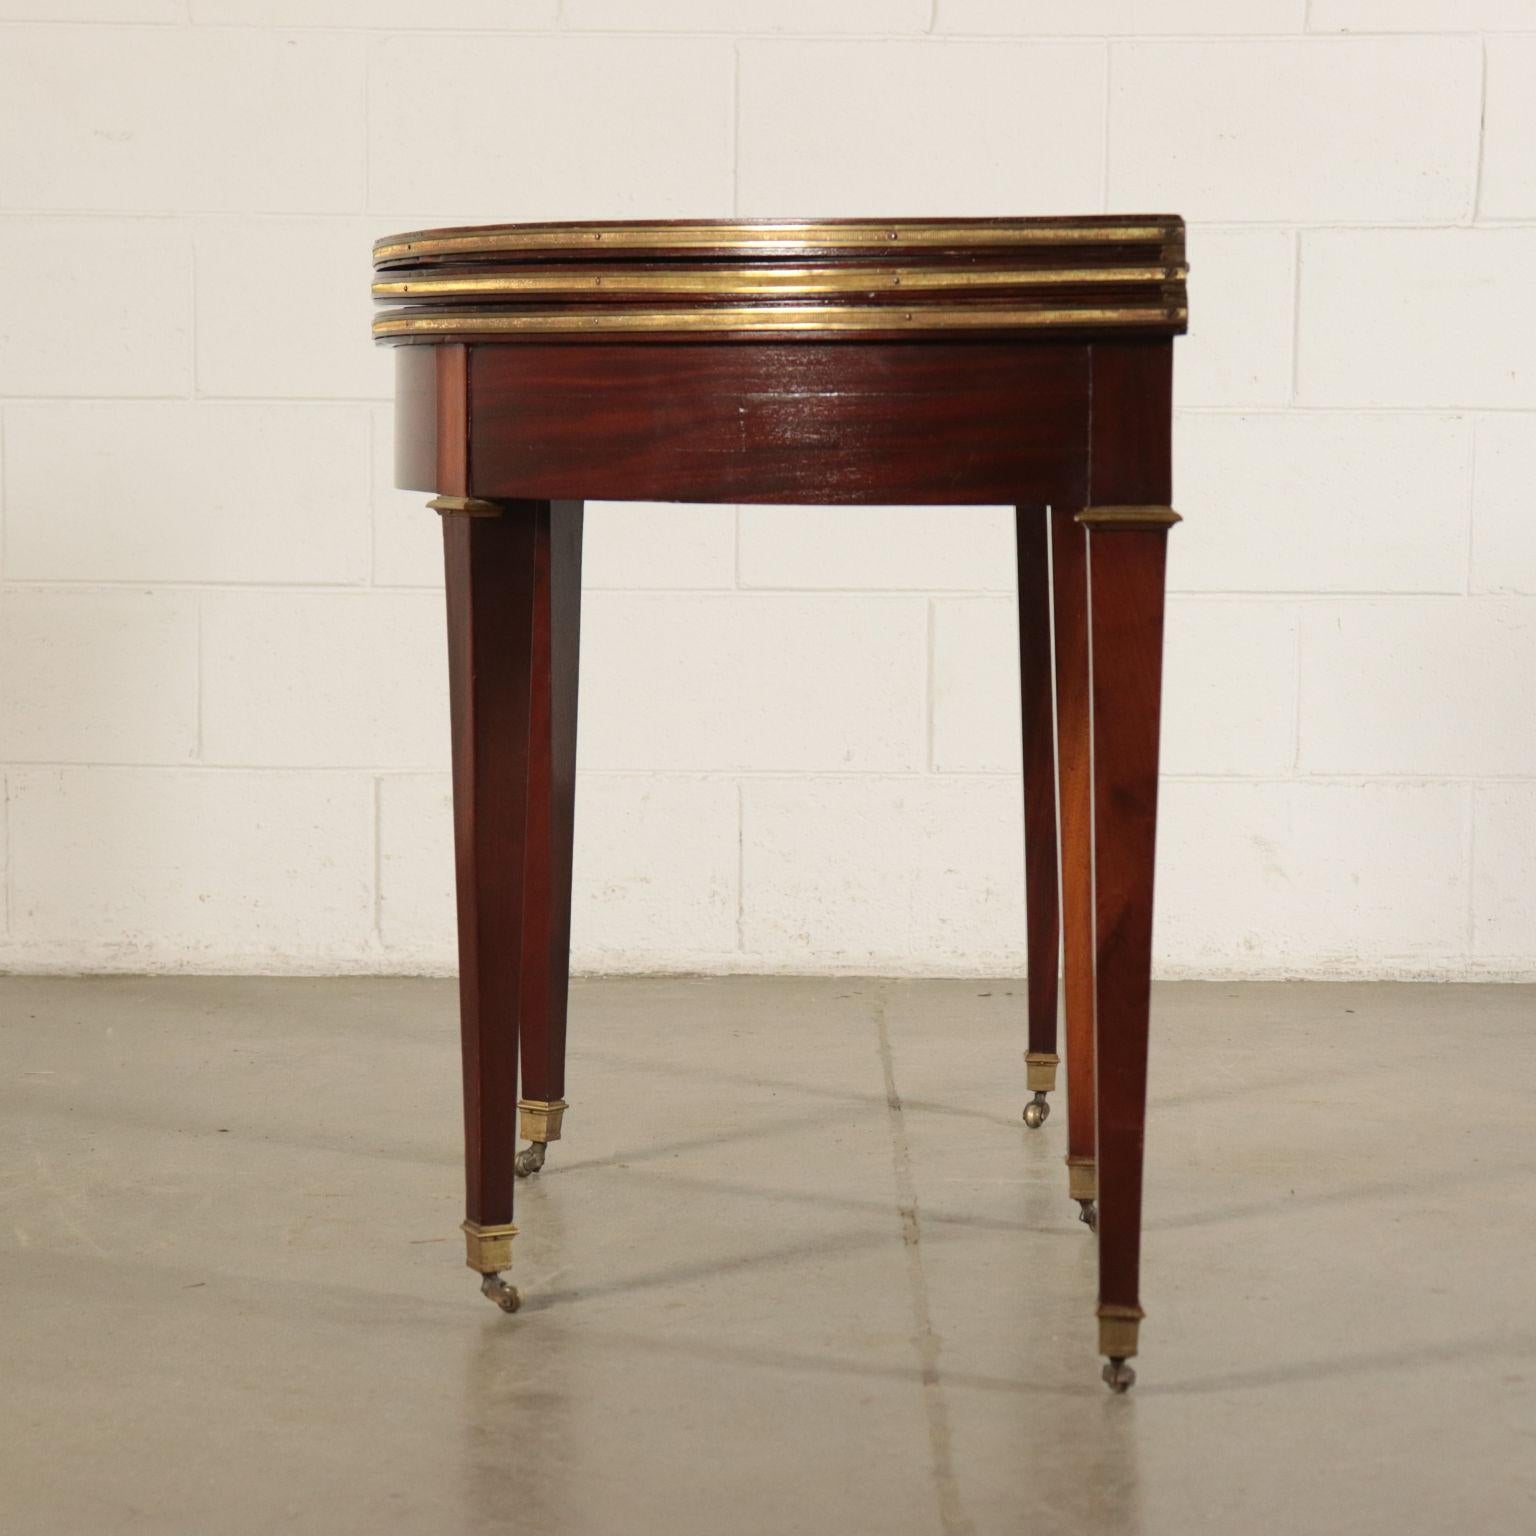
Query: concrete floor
[[797, 1267]]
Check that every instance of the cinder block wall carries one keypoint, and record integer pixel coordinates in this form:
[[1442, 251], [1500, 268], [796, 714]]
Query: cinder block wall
[[222, 702]]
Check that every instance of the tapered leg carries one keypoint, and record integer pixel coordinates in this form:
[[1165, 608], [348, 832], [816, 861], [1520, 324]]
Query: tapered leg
[[1070, 590], [551, 827], [490, 555], [1126, 575], [1126, 522], [1041, 916]]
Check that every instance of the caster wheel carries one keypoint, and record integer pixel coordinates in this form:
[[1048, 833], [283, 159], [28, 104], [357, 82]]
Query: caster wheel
[[529, 1160], [1036, 1112], [1119, 1377], [501, 1292], [1088, 1214]]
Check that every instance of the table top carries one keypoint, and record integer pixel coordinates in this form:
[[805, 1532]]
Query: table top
[[767, 279]]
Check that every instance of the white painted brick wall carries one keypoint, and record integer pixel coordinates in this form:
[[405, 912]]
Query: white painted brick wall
[[107, 306], [324, 679], [1503, 529], [1322, 501], [828, 128], [198, 868], [1418, 685], [99, 676], [577, 127], [1422, 15], [818, 857], [747, 681], [222, 693], [186, 491], [182, 120], [1417, 318], [1358, 130], [1341, 877]]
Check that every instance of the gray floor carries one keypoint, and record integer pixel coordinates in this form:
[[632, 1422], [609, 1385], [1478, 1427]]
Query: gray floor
[[797, 1267]]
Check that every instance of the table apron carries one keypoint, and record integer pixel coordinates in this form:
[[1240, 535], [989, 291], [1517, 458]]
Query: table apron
[[831, 423]]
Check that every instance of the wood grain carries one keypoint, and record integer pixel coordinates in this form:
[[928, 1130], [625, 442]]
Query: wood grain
[[551, 798], [1069, 564], [1037, 714], [831, 423], [490, 585], [536, 429], [1129, 465]]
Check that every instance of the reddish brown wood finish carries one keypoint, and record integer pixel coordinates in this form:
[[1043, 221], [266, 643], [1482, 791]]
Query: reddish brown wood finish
[[490, 584], [1126, 572], [551, 798], [452, 444], [1069, 564], [1033, 423], [1129, 464], [779, 422], [1041, 916]]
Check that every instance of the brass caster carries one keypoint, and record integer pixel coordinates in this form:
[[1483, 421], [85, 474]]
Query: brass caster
[[1088, 1214], [530, 1159], [1118, 1376], [1036, 1112], [502, 1292]]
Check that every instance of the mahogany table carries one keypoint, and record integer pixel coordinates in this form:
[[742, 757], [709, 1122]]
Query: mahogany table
[[912, 361]]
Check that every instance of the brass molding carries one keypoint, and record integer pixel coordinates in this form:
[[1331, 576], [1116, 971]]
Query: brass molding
[[466, 506], [1133, 518], [768, 235], [792, 279], [539, 1119], [788, 319], [1082, 1178], [1040, 1069], [746, 281], [1118, 1330], [488, 1249]]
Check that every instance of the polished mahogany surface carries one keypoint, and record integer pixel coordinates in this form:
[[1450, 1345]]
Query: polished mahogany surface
[[883, 423], [1026, 362]]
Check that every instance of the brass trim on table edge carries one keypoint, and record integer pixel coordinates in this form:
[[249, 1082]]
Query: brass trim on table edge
[[1040, 1071], [746, 280], [746, 236], [465, 506], [1119, 1327], [488, 1249], [791, 319], [539, 1119], [1082, 1178], [1127, 517]]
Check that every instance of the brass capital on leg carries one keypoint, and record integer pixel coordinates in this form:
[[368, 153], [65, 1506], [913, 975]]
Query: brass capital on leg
[[1118, 1329], [1132, 519], [1082, 1178], [490, 1252], [539, 1119], [488, 1249], [1083, 1186], [465, 506], [1040, 1068]]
